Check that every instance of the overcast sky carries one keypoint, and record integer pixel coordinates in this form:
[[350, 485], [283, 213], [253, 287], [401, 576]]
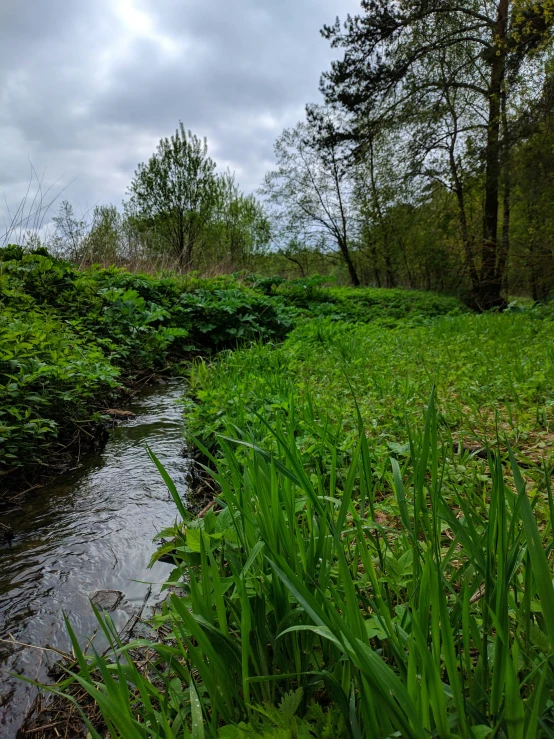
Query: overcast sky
[[88, 87]]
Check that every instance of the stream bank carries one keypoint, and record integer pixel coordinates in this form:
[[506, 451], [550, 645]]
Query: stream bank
[[87, 531]]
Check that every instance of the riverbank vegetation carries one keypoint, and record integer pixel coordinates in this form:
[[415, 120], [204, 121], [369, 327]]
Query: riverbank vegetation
[[377, 562], [377, 559], [71, 340]]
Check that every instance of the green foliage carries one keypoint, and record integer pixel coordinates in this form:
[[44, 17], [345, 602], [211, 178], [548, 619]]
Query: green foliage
[[482, 365], [49, 377], [11, 252], [431, 72], [175, 192], [222, 318], [179, 206], [266, 285], [367, 304], [67, 335], [16, 252], [410, 602], [375, 565]]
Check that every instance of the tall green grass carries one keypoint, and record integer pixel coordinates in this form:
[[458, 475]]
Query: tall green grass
[[309, 605]]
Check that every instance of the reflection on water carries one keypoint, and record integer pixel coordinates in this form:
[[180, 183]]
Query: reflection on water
[[89, 530]]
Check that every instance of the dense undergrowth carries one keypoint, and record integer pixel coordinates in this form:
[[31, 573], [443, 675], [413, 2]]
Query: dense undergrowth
[[490, 370], [70, 339], [377, 564]]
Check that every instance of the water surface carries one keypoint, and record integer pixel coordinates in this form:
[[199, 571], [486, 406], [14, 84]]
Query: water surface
[[88, 530]]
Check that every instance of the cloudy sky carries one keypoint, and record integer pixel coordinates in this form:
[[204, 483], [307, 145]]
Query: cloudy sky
[[88, 87]]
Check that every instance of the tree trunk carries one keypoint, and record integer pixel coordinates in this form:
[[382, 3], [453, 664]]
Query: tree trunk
[[467, 241], [188, 255], [375, 259], [505, 240], [354, 279], [297, 262], [490, 285], [534, 276], [408, 270], [390, 279], [181, 252]]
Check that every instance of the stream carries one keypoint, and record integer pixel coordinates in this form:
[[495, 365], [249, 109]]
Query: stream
[[88, 530]]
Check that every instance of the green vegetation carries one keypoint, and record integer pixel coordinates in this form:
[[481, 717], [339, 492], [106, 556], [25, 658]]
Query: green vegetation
[[377, 565], [481, 365], [378, 558], [180, 215], [70, 339]]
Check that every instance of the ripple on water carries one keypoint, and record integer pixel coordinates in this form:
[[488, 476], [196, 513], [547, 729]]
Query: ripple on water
[[89, 530]]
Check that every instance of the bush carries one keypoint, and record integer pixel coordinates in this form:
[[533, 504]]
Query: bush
[[50, 379], [11, 252], [225, 318], [67, 335]]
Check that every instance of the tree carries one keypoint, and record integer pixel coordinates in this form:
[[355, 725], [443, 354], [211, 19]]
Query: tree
[[241, 226], [532, 173], [311, 189], [175, 193], [70, 232], [103, 242], [402, 56]]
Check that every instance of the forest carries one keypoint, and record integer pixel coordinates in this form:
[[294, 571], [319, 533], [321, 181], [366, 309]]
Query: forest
[[364, 545]]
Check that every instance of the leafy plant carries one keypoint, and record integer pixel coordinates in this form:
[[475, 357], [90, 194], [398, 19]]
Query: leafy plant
[[296, 597]]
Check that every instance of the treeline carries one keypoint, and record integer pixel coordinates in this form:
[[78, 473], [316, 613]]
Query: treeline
[[180, 214], [430, 164]]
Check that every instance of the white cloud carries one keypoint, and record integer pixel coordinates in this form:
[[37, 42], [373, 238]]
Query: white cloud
[[88, 89]]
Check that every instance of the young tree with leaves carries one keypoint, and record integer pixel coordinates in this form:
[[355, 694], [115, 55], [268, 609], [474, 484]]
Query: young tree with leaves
[[70, 232], [175, 193], [241, 227], [103, 242], [311, 189]]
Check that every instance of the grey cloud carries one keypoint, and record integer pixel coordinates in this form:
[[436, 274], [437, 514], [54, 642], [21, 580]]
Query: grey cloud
[[88, 88]]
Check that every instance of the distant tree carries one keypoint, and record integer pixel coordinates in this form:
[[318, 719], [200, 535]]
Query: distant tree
[[69, 233], [311, 189], [296, 253], [532, 172], [380, 183], [405, 56], [175, 193], [103, 242], [242, 226]]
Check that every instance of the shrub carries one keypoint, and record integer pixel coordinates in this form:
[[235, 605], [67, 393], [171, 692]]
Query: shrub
[[50, 380]]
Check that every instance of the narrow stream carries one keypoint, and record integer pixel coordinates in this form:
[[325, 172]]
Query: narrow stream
[[88, 530]]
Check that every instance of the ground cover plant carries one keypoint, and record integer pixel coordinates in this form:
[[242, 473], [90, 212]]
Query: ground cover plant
[[309, 610], [481, 364], [47, 372], [378, 562], [70, 339], [316, 296]]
